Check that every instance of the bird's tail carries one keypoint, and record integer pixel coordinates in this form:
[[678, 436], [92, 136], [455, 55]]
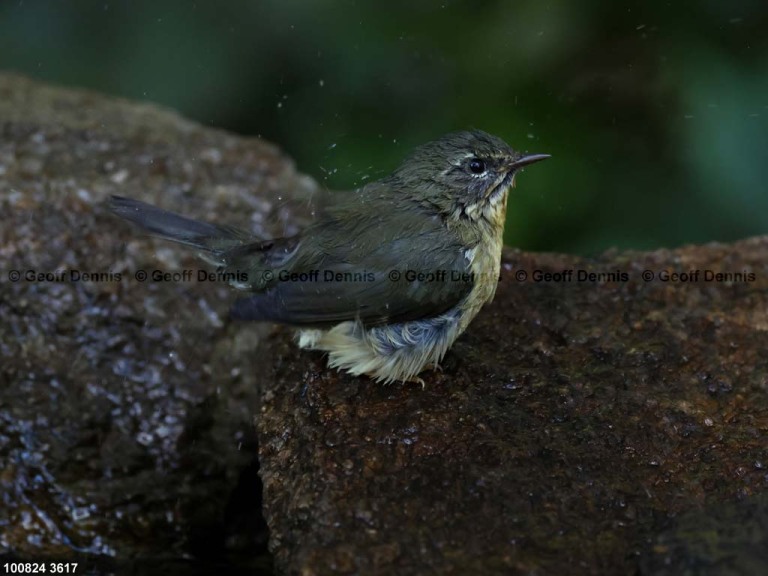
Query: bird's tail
[[212, 239]]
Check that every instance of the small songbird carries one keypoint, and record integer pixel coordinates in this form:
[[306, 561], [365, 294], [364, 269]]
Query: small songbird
[[387, 276]]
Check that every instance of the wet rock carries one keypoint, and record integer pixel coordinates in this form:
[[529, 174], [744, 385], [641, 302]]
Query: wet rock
[[721, 540], [568, 426], [126, 407]]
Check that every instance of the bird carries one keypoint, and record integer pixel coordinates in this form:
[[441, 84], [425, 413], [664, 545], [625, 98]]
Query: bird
[[387, 276]]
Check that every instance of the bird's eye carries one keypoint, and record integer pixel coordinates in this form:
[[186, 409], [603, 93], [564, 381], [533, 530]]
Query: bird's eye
[[476, 166]]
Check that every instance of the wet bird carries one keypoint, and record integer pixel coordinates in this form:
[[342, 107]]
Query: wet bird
[[387, 276]]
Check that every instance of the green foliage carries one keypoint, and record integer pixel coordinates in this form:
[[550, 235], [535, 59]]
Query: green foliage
[[654, 112]]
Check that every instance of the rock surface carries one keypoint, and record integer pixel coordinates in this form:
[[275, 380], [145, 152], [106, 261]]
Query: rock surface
[[126, 407], [568, 427], [577, 427]]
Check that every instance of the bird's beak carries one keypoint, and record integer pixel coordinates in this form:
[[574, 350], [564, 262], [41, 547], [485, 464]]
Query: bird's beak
[[526, 160], [517, 163]]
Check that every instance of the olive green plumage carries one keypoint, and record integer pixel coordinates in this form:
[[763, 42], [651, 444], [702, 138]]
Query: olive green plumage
[[388, 275]]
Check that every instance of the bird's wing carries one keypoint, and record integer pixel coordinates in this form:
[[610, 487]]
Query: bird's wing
[[358, 270]]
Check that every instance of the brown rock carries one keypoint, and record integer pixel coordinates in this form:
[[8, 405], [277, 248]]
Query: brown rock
[[126, 407], [568, 423]]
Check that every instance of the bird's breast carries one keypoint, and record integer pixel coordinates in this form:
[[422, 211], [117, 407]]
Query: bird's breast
[[485, 265]]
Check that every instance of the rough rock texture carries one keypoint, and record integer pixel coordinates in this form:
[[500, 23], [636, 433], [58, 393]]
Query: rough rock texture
[[126, 408], [604, 427], [569, 425], [724, 539]]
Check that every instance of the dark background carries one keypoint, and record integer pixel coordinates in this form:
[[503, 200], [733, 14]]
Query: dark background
[[654, 111]]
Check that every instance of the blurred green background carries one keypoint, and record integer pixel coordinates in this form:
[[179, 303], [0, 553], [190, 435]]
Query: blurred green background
[[655, 112]]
